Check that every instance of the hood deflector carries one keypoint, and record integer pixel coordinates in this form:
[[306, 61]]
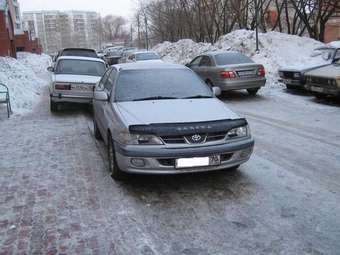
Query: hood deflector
[[168, 129]]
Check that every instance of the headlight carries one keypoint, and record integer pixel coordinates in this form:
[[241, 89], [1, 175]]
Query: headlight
[[297, 75], [135, 139], [239, 132]]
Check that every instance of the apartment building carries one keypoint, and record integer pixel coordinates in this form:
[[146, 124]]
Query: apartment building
[[57, 29]]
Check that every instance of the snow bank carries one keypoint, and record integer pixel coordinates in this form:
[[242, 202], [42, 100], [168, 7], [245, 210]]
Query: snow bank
[[24, 78], [276, 50]]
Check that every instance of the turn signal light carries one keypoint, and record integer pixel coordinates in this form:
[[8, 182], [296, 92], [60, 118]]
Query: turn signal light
[[62, 87], [228, 74], [261, 72]]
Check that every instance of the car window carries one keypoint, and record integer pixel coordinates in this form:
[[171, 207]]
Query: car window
[[103, 80], [159, 83], [109, 82], [205, 61], [80, 67], [196, 61], [231, 59]]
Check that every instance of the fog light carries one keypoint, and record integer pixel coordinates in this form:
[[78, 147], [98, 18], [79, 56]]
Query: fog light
[[138, 162], [246, 153]]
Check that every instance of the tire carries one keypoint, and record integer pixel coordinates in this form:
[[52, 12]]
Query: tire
[[290, 87], [253, 91], [53, 106], [97, 133], [319, 95], [114, 170]]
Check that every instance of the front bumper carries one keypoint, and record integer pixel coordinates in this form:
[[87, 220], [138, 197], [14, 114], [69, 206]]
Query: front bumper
[[292, 82], [162, 160], [322, 90], [241, 84]]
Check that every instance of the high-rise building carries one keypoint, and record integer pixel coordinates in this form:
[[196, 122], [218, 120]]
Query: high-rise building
[[58, 30]]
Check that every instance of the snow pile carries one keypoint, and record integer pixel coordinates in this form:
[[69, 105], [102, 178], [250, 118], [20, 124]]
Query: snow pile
[[276, 50], [23, 78], [183, 51]]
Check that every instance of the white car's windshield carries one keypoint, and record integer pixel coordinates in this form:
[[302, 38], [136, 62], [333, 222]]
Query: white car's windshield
[[139, 85], [80, 67]]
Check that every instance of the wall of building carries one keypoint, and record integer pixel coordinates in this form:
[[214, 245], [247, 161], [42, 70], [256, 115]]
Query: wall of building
[[12, 37]]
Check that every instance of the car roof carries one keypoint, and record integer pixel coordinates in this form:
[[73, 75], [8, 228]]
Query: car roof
[[146, 51], [148, 65], [84, 49], [81, 58], [214, 53]]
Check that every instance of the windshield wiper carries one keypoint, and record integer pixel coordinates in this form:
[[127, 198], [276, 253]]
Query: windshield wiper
[[154, 98], [197, 96]]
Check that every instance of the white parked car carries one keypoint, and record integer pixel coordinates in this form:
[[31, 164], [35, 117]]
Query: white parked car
[[143, 56], [73, 80]]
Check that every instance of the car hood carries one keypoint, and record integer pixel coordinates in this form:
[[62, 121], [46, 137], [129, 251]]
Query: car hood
[[174, 111], [301, 69], [76, 78], [330, 71]]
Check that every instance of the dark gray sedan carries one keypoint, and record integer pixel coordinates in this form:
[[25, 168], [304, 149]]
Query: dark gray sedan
[[229, 71]]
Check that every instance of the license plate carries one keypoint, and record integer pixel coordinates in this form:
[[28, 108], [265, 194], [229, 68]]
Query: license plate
[[246, 73], [82, 87], [197, 162], [316, 89]]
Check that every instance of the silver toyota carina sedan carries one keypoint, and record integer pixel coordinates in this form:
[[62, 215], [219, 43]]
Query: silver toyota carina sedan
[[229, 71], [158, 118]]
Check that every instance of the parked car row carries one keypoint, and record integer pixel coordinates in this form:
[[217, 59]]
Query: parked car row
[[160, 118], [321, 80]]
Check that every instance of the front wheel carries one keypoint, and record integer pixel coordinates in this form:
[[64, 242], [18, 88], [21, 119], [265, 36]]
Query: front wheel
[[253, 91], [114, 170], [97, 134]]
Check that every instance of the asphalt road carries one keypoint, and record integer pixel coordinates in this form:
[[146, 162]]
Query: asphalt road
[[56, 195]]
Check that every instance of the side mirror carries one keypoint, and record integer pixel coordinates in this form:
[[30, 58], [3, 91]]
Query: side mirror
[[217, 91], [50, 69], [101, 96], [187, 65]]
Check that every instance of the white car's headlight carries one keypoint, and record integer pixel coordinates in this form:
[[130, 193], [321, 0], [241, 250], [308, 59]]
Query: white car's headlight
[[239, 132], [135, 139]]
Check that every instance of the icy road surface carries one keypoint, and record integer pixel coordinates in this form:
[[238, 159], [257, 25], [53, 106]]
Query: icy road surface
[[56, 195]]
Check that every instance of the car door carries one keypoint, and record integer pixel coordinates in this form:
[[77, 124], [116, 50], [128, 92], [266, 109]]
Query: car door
[[97, 104], [205, 68], [107, 113], [195, 65]]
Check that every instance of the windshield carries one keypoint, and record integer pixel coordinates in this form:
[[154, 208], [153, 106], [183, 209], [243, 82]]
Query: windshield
[[79, 53], [146, 56], [80, 67], [231, 59], [133, 85]]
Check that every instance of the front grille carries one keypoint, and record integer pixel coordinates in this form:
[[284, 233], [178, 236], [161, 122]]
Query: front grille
[[178, 139], [325, 82]]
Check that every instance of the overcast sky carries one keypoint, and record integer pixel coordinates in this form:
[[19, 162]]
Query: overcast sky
[[118, 7]]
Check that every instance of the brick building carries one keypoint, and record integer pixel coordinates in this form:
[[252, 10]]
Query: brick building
[[332, 32], [12, 36]]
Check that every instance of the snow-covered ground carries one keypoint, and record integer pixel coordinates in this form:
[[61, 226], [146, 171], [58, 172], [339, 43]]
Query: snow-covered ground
[[25, 77], [276, 50]]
